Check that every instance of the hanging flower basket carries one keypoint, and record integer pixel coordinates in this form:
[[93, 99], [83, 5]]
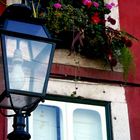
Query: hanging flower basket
[[80, 25]]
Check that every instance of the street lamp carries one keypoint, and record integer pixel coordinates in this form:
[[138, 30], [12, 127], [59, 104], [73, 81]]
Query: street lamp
[[27, 53]]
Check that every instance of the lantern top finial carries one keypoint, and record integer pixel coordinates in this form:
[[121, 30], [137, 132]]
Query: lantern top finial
[[17, 11]]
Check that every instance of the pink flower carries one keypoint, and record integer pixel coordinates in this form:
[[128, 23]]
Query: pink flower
[[112, 3], [57, 5], [96, 4], [85, 2], [108, 6]]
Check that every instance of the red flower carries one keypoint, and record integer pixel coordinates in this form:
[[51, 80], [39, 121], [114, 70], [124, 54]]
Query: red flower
[[95, 18], [113, 62], [128, 43], [88, 3]]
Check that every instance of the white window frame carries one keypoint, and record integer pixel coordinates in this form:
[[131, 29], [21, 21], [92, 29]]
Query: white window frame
[[67, 109]]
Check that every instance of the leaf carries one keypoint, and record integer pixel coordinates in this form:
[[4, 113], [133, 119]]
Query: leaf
[[129, 35], [126, 60], [34, 11]]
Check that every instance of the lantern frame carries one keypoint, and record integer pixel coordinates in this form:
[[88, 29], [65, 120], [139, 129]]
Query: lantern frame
[[45, 39]]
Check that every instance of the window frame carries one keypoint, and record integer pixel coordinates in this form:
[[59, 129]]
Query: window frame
[[82, 101]]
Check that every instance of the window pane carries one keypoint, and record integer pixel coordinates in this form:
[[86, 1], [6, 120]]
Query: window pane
[[87, 125], [46, 123]]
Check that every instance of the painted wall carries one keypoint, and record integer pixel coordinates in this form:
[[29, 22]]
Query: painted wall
[[3, 127], [130, 21], [2, 6], [3, 120], [129, 13]]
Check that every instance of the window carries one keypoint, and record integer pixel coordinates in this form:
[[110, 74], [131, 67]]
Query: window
[[87, 125], [49, 115], [56, 120]]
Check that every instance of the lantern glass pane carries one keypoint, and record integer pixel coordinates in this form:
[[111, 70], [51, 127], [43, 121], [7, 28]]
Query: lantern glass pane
[[19, 101], [26, 28], [27, 63]]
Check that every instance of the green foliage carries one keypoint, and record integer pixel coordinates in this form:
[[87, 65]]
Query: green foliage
[[84, 22], [126, 59], [64, 19]]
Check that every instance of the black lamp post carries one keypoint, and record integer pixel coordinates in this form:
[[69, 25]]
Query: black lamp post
[[27, 53]]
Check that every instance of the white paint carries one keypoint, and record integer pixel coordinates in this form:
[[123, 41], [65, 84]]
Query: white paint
[[114, 14], [62, 57], [9, 2], [87, 90], [120, 121], [115, 94]]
